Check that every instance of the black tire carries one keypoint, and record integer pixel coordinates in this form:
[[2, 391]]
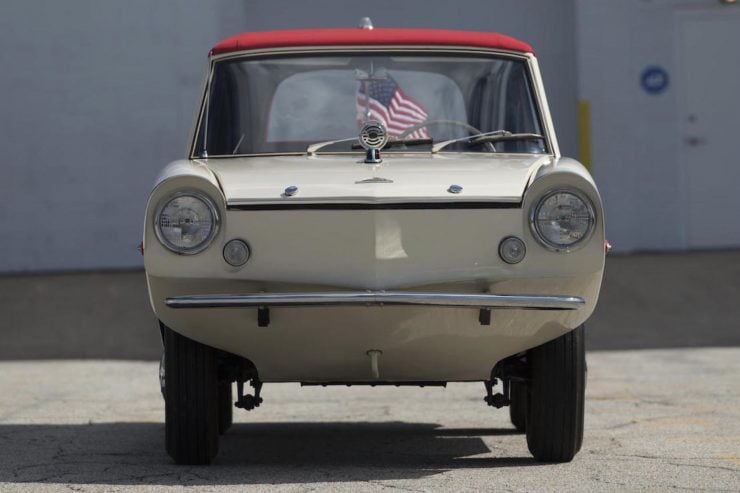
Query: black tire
[[191, 400], [556, 397], [225, 407], [518, 405]]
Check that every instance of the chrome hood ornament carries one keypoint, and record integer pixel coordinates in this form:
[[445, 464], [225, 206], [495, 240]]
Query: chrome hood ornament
[[373, 138], [366, 23]]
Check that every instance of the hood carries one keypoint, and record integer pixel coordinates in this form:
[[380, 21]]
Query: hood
[[398, 179]]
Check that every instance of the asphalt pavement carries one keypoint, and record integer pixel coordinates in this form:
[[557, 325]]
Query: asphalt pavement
[[656, 420], [80, 408]]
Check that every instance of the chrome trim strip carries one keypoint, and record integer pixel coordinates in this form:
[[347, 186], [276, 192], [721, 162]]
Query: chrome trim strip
[[377, 298], [529, 58], [237, 205], [398, 48]]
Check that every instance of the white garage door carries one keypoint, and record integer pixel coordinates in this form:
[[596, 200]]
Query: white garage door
[[709, 105]]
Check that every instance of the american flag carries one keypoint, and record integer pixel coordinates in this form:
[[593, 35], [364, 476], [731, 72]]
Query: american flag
[[388, 104]]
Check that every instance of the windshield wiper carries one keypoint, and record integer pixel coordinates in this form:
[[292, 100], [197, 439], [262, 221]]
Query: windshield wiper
[[488, 137], [503, 137], [314, 148]]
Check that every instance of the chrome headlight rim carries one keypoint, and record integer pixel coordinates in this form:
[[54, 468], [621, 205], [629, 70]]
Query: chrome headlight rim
[[555, 247], [215, 217]]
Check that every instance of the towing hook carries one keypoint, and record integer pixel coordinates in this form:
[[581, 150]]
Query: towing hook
[[248, 401], [499, 399]]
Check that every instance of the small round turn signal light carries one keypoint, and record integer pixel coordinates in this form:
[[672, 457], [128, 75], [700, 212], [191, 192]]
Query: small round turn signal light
[[236, 253], [512, 250]]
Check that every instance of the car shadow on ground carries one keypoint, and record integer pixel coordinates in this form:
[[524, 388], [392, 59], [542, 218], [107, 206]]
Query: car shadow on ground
[[260, 453]]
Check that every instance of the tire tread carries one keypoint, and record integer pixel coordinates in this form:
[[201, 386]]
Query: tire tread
[[225, 407], [191, 404], [518, 405], [556, 398]]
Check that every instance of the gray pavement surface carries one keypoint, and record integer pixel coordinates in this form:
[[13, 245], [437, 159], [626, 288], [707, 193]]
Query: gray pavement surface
[[656, 420], [647, 301]]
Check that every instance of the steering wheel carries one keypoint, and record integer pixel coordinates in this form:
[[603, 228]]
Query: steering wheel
[[456, 123]]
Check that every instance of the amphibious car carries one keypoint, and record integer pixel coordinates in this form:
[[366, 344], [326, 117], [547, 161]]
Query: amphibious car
[[373, 207]]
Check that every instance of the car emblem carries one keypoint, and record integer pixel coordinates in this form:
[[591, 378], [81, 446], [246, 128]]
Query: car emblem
[[290, 191], [373, 138]]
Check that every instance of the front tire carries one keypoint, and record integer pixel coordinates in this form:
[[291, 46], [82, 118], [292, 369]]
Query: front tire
[[518, 405], [191, 400], [225, 407], [556, 398]]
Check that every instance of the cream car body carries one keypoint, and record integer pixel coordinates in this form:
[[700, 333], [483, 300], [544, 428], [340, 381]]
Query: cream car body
[[412, 250], [372, 229], [459, 245]]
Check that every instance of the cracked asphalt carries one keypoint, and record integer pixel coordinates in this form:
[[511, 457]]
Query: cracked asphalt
[[655, 420]]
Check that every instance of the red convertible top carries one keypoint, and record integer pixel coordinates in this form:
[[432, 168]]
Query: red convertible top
[[380, 37]]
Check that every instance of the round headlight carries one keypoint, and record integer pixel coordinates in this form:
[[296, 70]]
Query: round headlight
[[186, 222], [562, 219]]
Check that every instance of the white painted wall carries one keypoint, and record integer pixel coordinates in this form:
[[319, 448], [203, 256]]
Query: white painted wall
[[636, 137], [97, 96]]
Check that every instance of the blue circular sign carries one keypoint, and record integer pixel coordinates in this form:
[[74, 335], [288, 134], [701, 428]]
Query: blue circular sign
[[654, 79]]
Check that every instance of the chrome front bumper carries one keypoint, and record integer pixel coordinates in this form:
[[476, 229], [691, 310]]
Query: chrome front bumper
[[376, 298]]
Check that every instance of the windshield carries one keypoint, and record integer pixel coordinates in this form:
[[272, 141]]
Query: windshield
[[284, 104]]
